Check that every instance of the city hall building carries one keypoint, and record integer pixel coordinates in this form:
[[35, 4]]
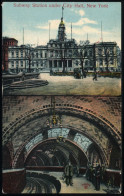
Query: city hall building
[[64, 54]]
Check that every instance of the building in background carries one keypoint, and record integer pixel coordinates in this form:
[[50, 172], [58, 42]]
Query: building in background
[[63, 55], [6, 42]]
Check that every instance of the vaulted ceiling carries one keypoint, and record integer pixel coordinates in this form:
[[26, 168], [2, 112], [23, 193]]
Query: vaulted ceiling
[[97, 119]]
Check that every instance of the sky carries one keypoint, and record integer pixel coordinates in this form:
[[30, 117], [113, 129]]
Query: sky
[[86, 19]]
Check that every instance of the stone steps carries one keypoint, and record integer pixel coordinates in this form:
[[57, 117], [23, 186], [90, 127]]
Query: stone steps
[[28, 84]]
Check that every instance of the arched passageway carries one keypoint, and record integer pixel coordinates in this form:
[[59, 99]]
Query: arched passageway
[[88, 135]]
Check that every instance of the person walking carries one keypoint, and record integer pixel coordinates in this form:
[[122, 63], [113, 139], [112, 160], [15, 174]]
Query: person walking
[[97, 178], [69, 173], [95, 76]]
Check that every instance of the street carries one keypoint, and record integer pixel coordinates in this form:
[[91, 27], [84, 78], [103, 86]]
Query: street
[[68, 85]]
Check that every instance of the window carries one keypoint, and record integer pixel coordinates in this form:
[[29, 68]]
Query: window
[[57, 131], [86, 63], [34, 141], [101, 62], [111, 61], [45, 55], [21, 63], [17, 64], [32, 55], [60, 63], [41, 55], [50, 64], [70, 52], [12, 54], [56, 53], [99, 51], [51, 54], [82, 141], [37, 63], [65, 63], [17, 54], [21, 53], [12, 63], [85, 53], [55, 63], [111, 51], [36, 55], [90, 53], [70, 63]]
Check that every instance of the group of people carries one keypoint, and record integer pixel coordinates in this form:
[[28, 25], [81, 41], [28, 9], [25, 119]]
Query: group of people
[[95, 175]]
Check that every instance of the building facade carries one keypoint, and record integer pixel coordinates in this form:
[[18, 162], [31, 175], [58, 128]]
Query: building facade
[[6, 42], [62, 54]]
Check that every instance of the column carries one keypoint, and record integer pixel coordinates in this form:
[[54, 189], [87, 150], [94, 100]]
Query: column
[[67, 63], [52, 64]]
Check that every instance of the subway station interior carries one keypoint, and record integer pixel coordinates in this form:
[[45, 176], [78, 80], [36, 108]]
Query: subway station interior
[[41, 134]]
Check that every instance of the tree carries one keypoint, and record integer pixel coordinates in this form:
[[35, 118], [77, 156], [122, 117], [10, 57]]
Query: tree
[[29, 56], [105, 52]]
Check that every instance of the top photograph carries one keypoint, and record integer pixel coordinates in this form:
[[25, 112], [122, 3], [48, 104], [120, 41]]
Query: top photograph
[[61, 48]]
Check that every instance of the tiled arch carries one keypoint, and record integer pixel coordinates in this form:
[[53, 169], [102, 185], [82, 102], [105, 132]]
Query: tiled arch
[[64, 109]]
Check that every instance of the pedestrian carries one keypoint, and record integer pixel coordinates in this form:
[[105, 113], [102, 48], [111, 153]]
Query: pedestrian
[[97, 178], [91, 173], [95, 76], [102, 173], [88, 171], [69, 173], [77, 171]]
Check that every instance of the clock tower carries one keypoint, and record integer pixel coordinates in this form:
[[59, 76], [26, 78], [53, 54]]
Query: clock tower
[[61, 29]]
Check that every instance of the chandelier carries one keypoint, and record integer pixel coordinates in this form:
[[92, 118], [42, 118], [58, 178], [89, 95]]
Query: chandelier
[[55, 121]]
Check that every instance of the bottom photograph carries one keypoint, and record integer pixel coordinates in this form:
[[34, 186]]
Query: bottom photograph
[[61, 144]]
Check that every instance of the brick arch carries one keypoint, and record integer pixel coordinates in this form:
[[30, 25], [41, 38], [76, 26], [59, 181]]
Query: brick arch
[[6, 158], [21, 148], [64, 109], [61, 145]]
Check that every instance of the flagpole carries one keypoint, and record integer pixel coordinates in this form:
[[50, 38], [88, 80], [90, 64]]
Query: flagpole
[[101, 32], [49, 31], [62, 11], [71, 31], [23, 36]]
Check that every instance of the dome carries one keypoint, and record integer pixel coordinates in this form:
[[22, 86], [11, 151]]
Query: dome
[[62, 23]]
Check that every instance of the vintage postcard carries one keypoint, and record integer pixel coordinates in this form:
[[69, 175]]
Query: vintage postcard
[[65, 48], [62, 102], [62, 144]]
